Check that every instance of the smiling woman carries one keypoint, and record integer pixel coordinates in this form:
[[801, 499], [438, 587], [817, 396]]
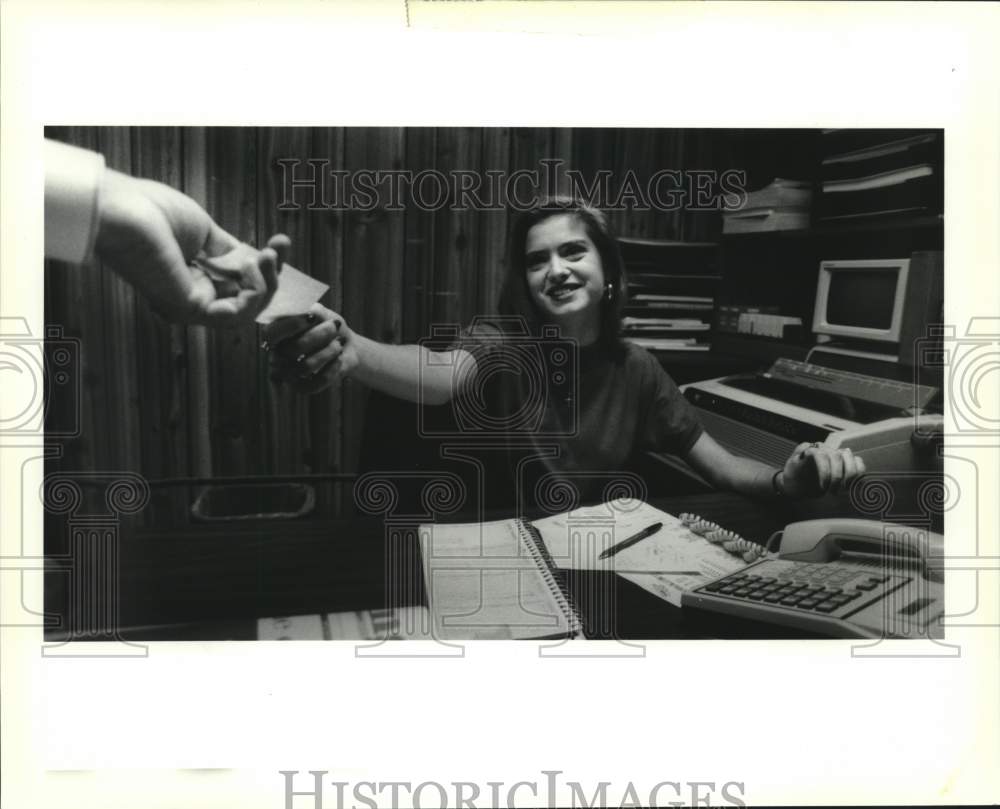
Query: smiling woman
[[551, 382], [565, 268]]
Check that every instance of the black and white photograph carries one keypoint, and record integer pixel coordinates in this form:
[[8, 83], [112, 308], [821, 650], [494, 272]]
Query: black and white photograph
[[473, 383], [481, 404]]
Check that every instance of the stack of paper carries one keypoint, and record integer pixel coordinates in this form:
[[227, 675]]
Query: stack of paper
[[880, 176], [782, 205]]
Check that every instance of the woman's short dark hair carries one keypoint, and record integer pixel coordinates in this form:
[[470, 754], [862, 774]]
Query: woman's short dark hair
[[514, 296]]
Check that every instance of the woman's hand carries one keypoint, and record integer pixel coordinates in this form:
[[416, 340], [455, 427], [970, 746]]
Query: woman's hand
[[813, 470], [310, 351]]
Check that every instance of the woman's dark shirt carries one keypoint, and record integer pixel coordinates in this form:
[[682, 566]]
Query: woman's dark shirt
[[569, 415]]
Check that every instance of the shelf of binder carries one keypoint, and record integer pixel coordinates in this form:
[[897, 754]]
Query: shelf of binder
[[879, 177], [782, 205]]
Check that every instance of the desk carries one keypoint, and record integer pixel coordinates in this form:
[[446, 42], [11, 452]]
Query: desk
[[211, 582]]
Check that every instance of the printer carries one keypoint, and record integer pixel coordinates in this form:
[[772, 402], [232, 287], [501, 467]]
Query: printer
[[889, 423], [765, 415]]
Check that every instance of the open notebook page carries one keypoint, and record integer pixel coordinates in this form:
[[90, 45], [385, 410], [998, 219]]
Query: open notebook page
[[483, 583]]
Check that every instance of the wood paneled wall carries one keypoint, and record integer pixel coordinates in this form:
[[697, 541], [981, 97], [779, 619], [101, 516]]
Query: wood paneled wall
[[171, 401]]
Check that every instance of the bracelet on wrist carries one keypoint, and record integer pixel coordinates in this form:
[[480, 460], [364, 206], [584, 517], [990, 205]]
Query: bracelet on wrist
[[778, 489]]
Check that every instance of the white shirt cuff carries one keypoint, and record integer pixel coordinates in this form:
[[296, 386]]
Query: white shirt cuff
[[72, 201]]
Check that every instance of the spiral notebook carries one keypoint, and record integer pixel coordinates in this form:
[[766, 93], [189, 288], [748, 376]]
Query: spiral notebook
[[493, 581]]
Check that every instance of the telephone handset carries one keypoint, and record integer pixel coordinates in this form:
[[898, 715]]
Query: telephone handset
[[840, 577], [828, 540]]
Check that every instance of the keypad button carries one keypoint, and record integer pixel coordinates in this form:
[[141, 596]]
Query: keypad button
[[791, 601], [808, 603], [866, 585], [826, 606], [773, 598]]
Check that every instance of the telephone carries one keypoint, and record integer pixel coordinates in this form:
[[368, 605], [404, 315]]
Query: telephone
[[841, 577]]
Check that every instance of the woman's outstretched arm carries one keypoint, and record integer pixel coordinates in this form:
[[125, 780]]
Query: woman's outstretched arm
[[309, 352]]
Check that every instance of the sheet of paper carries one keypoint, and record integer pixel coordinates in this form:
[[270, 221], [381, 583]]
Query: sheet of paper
[[669, 588], [482, 584], [290, 627], [399, 623], [402, 623], [575, 541], [295, 294]]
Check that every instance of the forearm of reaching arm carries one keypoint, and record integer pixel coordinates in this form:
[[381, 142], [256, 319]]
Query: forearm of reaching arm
[[727, 471], [412, 372]]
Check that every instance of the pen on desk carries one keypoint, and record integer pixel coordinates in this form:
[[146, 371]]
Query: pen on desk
[[662, 572], [628, 543]]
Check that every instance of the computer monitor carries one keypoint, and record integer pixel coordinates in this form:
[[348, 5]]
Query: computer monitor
[[863, 299]]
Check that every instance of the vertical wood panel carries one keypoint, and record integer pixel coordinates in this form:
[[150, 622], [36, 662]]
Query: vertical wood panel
[[121, 340], [419, 248], [233, 370], [562, 150], [622, 223], [285, 425], [593, 151], [162, 383], [494, 223], [326, 263], [638, 159], [669, 155], [372, 278], [195, 150], [457, 268], [527, 146], [704, 149]]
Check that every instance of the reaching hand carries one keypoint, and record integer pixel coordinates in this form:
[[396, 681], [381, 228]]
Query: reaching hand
[[310, 351], [150, 234], [813, 469]]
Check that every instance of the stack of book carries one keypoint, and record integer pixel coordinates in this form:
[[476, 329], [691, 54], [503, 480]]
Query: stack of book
[[782, 205], [878, 173]]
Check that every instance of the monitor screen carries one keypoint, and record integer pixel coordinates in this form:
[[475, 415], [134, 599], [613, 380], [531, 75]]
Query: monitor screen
[[862, 297]]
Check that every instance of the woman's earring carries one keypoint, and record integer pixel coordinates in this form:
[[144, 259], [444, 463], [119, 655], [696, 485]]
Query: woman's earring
[[609, 292]]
